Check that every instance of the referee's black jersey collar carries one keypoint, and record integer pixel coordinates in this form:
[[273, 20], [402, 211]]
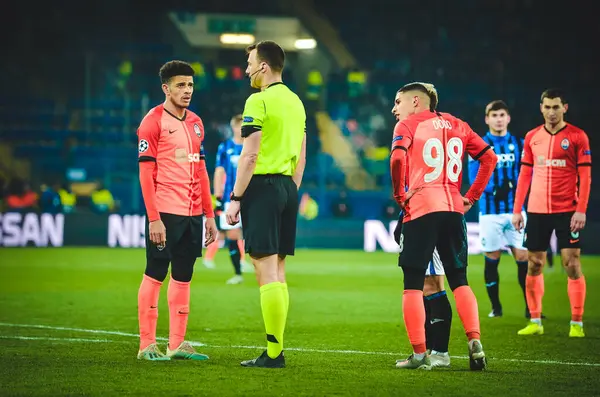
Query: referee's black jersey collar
[[276, 83]]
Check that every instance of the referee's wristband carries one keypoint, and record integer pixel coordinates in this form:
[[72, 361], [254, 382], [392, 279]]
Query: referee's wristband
[[233, 197]]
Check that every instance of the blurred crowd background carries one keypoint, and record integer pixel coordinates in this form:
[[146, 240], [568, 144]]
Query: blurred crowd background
[[77, 79]]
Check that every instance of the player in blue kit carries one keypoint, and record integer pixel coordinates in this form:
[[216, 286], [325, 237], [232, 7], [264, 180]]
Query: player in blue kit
[[228, 154], [496, 204]]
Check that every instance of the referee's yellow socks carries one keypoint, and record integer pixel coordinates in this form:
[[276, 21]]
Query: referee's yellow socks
[[286, 297], [273, 305]]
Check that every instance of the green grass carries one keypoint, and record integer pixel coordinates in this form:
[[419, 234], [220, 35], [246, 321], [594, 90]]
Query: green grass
[[340, 301]]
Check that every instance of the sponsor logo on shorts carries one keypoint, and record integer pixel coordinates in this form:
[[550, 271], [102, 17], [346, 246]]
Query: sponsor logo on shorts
[[574, 238]]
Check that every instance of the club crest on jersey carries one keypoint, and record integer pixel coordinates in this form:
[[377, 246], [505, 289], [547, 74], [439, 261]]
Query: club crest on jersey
[[197, 130], [511, 147], [143, 146], [564, 144]]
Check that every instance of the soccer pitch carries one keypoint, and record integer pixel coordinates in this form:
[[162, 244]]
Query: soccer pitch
[[68, 325]]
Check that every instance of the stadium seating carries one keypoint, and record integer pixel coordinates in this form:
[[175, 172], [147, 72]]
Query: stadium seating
[[469, 63]]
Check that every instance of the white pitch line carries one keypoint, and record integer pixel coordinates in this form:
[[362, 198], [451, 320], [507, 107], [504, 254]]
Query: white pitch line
[[298, 349], [91, 331], [58, 339]]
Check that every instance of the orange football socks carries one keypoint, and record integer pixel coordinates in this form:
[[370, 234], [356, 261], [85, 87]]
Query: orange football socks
[[413, 311], [148, 310], [576, 289], [178, 297], [468, 311], [534, 286]]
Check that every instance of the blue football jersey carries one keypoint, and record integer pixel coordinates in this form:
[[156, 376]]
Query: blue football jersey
[[228, 155], [499, 194]]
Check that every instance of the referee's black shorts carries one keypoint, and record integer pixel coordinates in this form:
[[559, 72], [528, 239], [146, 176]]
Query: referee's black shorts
[[184, 237], [269, 211]]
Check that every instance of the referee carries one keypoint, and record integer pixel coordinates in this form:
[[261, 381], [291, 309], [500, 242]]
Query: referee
[[269, 174]]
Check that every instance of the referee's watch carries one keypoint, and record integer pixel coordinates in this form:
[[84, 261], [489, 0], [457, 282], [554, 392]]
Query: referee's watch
[[233, 197]]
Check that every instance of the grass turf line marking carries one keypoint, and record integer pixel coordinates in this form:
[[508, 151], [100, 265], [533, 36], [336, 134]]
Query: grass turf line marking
[[298, 349], [58, 339], [92, 331]]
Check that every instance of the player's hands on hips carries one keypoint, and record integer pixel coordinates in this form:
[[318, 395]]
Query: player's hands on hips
[[403, 201], [466, 204], [233, 213], [577, 221], [211, 231], [518, 222], [158, 233]]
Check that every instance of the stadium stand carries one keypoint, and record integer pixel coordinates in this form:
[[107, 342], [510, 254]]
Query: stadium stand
[[86, 108]]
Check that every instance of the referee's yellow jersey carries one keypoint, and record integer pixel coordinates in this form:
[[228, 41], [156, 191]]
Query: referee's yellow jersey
[[280, 115]]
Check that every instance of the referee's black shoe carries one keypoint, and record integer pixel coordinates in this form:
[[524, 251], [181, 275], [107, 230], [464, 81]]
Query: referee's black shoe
[[264, 361]]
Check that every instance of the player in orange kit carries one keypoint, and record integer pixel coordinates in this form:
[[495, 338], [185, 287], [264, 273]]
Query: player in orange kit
[[428, 148], [176, 192], [557, 163]]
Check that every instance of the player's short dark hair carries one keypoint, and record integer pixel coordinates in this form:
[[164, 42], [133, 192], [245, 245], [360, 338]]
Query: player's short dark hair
[[427, 89], [496, 105], [174, 68], [236, 119], [552, 93], [269, 52]]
